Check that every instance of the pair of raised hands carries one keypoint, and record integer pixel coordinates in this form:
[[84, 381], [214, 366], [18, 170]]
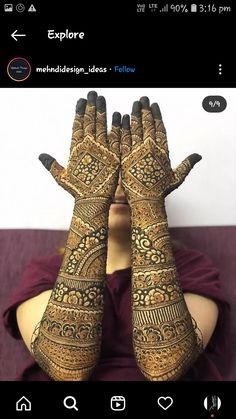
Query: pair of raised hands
[[138, 150]]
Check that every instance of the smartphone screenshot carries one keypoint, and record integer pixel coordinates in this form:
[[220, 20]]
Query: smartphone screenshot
[[118, 211]]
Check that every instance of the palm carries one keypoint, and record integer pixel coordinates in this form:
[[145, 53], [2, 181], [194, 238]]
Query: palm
[[93, 165], [146, 167]]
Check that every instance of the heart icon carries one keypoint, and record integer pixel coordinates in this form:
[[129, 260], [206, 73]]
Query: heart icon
[[165, 402]]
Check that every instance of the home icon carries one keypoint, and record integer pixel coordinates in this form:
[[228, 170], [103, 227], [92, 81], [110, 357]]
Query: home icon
[[23, 404]]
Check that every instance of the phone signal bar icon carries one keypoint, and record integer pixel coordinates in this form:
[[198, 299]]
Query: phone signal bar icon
[[165, 8]]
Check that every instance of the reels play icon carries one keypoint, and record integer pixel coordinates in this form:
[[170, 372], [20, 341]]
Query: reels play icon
[[118, 403]]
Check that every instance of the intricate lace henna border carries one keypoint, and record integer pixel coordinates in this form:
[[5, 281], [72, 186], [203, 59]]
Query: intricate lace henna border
[[199, 336], [34, 338]]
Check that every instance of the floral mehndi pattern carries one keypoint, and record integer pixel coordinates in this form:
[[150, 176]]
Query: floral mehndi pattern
[[164, 337], [67, 342]]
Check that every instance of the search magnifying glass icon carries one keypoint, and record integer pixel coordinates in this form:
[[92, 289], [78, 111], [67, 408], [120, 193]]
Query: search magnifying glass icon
[[70, 403]]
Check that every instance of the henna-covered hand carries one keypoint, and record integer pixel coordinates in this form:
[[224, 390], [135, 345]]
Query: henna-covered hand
[[164, 337], [146, 168], [93, 166], [67, 343]]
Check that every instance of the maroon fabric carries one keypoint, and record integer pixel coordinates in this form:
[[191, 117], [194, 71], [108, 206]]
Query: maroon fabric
[[117, 363]]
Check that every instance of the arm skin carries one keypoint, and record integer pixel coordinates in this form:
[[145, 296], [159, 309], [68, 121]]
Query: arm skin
[[67, 343], [164, 336]]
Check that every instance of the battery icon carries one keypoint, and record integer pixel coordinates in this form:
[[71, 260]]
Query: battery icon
[[193, 8]]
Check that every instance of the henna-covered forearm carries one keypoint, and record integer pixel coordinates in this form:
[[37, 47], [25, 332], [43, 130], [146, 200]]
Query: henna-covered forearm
[[165, 342], [68, 343], [164, 338]]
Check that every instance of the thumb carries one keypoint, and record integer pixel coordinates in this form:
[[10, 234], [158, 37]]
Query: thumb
[[52, 166], [182, 171], [184, 168]]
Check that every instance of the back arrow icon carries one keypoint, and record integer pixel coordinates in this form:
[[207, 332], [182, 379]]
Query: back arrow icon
[[15, 34]]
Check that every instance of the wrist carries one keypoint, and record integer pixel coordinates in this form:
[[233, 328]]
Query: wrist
[[148, 212], [94, 210]]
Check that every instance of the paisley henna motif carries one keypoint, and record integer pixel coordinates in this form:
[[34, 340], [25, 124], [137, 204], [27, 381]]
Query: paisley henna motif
[[67, 343], [164, 336]]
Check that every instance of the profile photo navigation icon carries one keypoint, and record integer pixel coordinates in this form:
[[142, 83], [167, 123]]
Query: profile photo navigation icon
[[118, 403], [212, 403], [70, 403]]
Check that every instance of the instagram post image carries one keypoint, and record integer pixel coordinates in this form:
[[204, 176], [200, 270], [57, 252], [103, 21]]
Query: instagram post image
[[118, 234]]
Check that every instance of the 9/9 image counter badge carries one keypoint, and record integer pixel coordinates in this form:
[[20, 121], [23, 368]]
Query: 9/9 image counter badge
[[19, 69]]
